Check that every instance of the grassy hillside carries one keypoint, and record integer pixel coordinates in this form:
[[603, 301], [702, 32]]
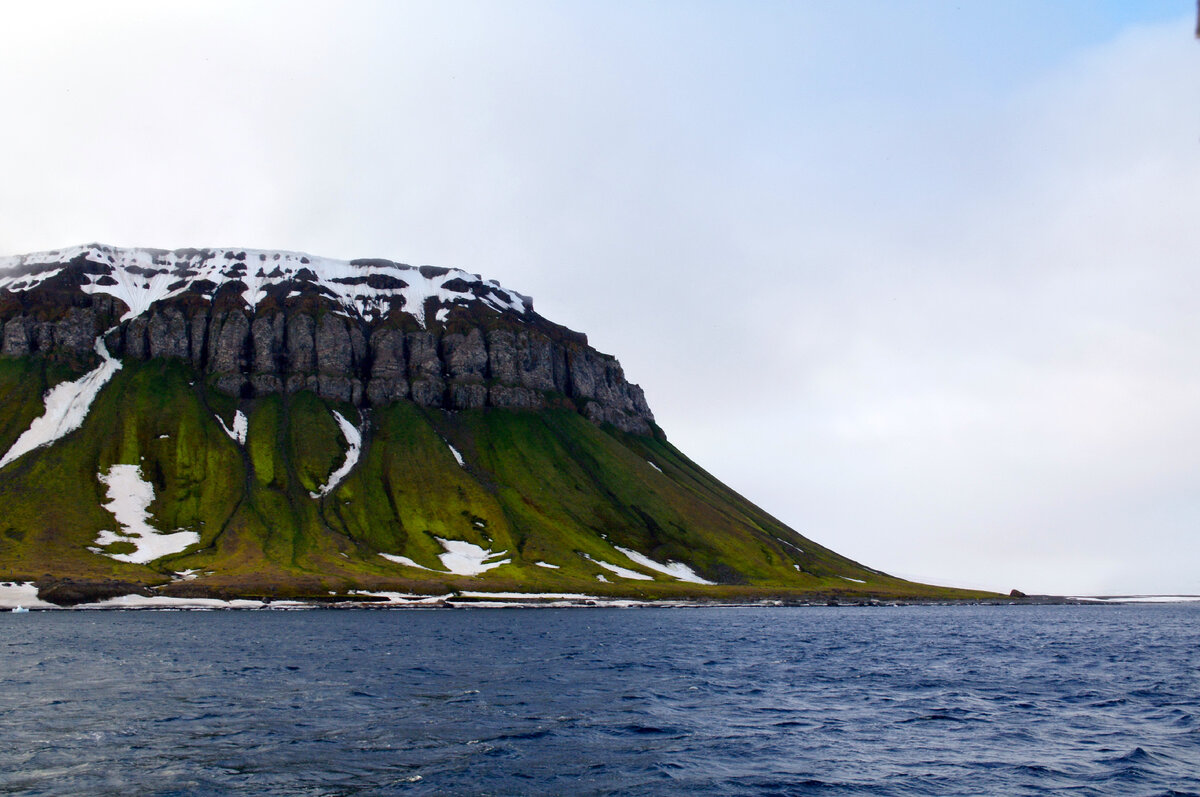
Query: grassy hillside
[[545, 487]]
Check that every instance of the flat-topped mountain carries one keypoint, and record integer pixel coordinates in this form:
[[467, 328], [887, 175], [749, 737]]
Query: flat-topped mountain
[[237, 422]]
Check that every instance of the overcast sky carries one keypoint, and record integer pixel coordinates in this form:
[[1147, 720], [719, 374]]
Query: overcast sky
[[920, 279]]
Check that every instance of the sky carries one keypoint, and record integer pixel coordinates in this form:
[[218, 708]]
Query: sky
[[921, 279]]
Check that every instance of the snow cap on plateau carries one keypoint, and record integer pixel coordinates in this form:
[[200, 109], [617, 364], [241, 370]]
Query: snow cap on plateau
[[366, 288]]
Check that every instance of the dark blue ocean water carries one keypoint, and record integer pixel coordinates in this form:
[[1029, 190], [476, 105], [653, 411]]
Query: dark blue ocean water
[[983, 700]]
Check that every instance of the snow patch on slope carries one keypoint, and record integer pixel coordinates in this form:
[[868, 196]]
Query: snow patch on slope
[[547, 565], [620, 571], [240, 427], [674, 569], [67, 405], [141, 277], [457, 456], [466, 559], [129, 499], [354, 440], [404, 560]]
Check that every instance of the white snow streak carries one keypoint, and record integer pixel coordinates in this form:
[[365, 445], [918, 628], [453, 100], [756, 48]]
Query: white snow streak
[[129, 498], [404, 560], [547, 565], [67, 405], [141, 277], [674, 569], [354, 440], [457, 456], [855, 580], [240, 427], [651, 464], [620, 571], [466, 559]]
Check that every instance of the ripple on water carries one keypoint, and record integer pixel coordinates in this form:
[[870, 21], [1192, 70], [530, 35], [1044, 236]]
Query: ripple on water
[[921, 700]]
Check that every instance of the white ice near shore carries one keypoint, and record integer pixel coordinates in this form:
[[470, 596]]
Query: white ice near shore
[[165, 602], [354, 440], [129, 498], [21, 593], [240, 427], [620, 571], [67, 405], [1143, 599], [674, 569], [560, 596], [467, 559], [547, 565], [401, 598], [141, 277], [404, 560]]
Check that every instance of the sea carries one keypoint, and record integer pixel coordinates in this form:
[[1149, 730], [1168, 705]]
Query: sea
[[887, 700]]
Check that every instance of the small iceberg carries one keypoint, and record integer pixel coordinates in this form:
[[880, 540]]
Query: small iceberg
[[20, 610]]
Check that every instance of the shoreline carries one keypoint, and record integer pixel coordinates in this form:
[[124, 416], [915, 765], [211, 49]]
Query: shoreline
[[23, 597]]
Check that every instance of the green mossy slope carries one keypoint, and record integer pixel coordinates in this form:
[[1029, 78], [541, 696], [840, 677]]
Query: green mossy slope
[[545, 488]]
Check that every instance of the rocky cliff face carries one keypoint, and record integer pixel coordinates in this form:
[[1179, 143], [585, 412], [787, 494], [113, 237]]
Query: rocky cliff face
[[457, 345]]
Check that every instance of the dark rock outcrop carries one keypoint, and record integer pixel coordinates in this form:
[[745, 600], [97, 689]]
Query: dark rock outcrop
[[475, 357]]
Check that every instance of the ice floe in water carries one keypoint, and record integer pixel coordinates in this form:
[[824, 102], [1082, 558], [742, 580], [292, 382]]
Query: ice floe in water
[[129, 499], [240, 426], [467, 559], [623, 572], [674, 569], [354, 440], [67, 405]]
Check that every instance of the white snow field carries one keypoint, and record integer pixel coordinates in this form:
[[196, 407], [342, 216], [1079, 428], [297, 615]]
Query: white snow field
[[466, 559], [67, 405], [23, 594], [141, 277], [129, 498], [354, 440]]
